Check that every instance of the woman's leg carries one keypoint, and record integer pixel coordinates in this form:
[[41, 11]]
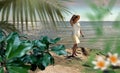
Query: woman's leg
[[74, 48]]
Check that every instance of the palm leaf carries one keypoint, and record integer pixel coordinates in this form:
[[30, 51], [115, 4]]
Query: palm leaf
[[7, 27], [30, 10]]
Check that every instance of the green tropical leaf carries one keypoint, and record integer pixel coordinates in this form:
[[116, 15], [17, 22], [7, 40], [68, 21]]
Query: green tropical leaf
[[26, 59], [12, 43], [15, 45], [46, 40], [38, 51], [57, 39], [60, 50], [51, 41], [21, 50], [40, 66], [47, 59], [1, 70], [17, 62], [13, 69], [33, 67], [39, 45], [32, 59]]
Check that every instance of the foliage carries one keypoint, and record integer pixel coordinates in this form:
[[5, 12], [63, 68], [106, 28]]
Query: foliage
[[20, 11], [7, 27], [18, 55], [102, 11], [98, 13], [40, 56], [11, 48]]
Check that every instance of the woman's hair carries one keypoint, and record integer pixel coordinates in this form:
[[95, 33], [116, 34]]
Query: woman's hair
[[75, 18]]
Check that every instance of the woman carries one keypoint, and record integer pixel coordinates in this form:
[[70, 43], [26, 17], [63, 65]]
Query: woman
[[76, 32]]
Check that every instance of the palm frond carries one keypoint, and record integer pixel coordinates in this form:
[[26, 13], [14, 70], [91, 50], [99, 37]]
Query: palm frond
[[7, 27], [20, 11]]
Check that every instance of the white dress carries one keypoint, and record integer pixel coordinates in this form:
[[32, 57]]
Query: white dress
[[76, 32]]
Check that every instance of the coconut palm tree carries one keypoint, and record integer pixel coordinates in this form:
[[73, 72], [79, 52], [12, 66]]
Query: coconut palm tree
[[20, 11]]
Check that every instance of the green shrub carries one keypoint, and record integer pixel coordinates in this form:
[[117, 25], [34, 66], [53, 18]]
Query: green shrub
[[22, 55]]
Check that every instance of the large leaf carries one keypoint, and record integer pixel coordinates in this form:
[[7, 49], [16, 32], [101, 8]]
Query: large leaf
[[46, 60], [40, 66], [32, 59], [38, 44], [13, 69], [1, 70], [57, 39], [16, 48], [60, 50], [47, 40], [12, 43]]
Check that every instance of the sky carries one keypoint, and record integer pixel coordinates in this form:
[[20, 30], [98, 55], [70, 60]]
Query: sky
[[81, 7]]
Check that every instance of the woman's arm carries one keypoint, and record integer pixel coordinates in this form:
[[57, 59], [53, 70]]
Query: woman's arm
[[81, 33], [71, 20]]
